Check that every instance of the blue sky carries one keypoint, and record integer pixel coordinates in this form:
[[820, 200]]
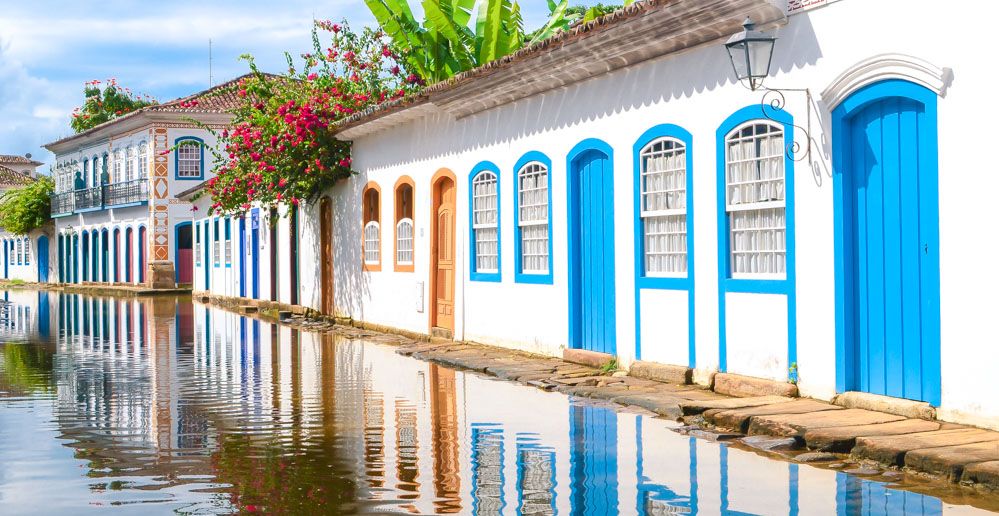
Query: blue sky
[[49, 48]]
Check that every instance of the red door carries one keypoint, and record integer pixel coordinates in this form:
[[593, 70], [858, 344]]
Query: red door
[[185, 269]]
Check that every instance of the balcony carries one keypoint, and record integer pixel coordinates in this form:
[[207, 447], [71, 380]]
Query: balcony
[[99, 197], [63, 204], [126, 192]]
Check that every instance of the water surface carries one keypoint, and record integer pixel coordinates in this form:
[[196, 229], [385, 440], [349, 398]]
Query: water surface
[[157, 406]]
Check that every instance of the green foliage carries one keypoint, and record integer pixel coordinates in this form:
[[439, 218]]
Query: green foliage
[[26, 367], [792, 373], [609, 367], [103, 105], [446, 43], [26, 208]]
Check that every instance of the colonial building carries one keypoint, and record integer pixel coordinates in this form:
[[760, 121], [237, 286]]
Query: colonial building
[[617, 189], [117, 219], [25, 257]]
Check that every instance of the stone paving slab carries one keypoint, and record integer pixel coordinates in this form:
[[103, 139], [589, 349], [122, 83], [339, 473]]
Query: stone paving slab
[[663, 405], [892, 449], [739, 419], [842, 439], [696, 406], [950, 461], [796, 425], [985, 474]]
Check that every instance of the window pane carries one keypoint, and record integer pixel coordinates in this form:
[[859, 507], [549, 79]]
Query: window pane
[[664, 204], [534, 249], [485, 222], [486, 250], [404, 242], [665, 244], [371, 243]]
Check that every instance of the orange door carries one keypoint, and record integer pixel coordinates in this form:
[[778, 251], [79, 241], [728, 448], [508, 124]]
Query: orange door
[[326, 254], [443, 251]]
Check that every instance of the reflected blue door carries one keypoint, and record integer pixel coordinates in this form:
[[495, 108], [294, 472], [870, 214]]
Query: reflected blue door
[[593, 460], [43, 259], [593, 183], [891, 245]]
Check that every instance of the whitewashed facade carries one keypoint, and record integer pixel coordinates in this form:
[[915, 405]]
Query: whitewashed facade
[[664, 121], [115, 206]]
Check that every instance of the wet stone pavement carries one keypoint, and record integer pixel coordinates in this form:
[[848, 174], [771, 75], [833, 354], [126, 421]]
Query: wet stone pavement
[[161, 405]]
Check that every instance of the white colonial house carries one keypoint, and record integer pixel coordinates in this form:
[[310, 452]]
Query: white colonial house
[[117, 217], [25, 257], [617, 189]]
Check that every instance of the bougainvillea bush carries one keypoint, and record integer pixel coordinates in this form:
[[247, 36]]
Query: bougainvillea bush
[[280, 147], [105, 101]]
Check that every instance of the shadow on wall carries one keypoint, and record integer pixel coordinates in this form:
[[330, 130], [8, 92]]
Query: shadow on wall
[[350, 283], [676, 77]]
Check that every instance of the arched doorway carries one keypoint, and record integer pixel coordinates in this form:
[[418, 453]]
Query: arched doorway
[[85, 253], [293, 253], [75, 260], [142, 254], [105, 255], [326, 254], [42, 259], [116, 256], [887, 241], [128, 255], [442, 258], [184, 254], [592, 297]]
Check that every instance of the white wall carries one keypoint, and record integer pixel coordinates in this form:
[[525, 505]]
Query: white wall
[[694, 90]]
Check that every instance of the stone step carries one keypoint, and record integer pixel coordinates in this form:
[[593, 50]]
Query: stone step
[[892, 449], [842, 439], [796, 425], [748, 386], [661, 372], [898, 406], [586, 358], [950, 461], [983, 473], [739, 419]]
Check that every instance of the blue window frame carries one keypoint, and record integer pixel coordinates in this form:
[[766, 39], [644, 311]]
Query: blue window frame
[[189, 158], [216, 251], [484, 223], [228, 242], [664, 209], [532, 219], [27, 251], [778, 280]]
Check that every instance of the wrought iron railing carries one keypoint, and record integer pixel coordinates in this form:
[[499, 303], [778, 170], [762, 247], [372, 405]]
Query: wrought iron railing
[[88, 198], [126, 192], [63, 203]]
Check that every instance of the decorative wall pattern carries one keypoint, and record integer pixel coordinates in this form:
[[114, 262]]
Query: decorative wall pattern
[[159, 203]]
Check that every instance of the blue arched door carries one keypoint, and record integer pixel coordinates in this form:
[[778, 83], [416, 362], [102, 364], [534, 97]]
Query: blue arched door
[[42, 259], [591, 223], [888, 271]]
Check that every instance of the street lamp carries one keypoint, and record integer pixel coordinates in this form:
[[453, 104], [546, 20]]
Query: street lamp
[[751, 52]]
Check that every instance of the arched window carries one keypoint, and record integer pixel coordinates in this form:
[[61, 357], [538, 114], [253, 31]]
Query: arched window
[[117, 166], [485, 222], [532, 218], [755, 200], [27, 251], [143, 171], [664, 207], [130, 164], [104, 167], [189, 158], [95, 166], [20, 250], [86, 174], [404, 224], [372, 227]]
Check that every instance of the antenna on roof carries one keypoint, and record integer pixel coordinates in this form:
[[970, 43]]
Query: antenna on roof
[[211, 79]]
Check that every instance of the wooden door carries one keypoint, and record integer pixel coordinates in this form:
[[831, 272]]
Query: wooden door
[[442, 259], [893, 272], [593, 182], [326, 254]]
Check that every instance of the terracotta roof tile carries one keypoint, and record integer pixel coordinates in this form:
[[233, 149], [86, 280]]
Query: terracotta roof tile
[[10, 178], [18, 160]]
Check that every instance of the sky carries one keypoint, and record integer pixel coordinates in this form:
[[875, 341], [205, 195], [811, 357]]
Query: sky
[[49, 48]]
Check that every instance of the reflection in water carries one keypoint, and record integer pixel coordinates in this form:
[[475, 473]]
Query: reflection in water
[[162, 405]]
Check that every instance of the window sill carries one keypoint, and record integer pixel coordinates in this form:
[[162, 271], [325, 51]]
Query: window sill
[[534, 279], [371, 267]]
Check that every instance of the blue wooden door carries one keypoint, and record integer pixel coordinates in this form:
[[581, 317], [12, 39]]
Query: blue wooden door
[[891, 236], [255, 252], [593, 181], [43, 259], [593, 483]]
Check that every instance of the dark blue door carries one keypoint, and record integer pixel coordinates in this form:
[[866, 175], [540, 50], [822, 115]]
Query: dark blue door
[[593, 184], [242, 257], [43, 259], [593, 482], [891, 236]]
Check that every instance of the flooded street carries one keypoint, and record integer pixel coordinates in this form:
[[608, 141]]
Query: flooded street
[[158, 406]]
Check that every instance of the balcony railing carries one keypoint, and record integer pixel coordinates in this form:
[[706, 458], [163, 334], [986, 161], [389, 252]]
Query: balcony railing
[[104, 196], [63, 203], [126, 192], [88, 198]]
